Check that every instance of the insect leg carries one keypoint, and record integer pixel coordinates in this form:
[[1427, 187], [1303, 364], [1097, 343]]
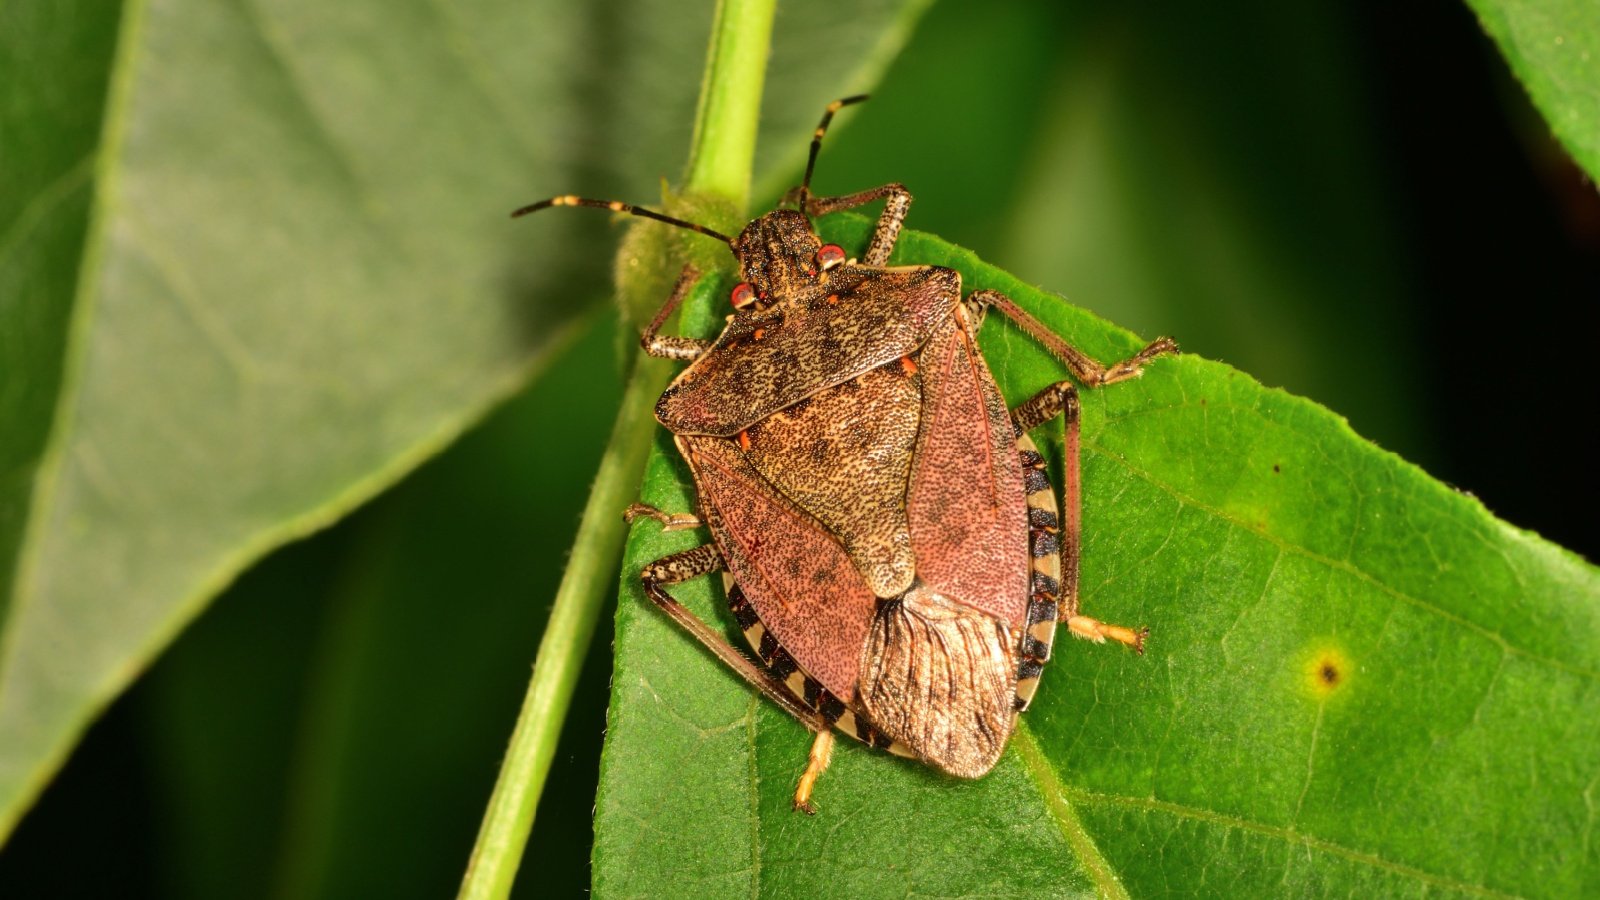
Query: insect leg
[[669, 521], [1061, 399], [667, 346], [887, 230], [703, 560], [1083, 367], [894, 212], [816, 764]]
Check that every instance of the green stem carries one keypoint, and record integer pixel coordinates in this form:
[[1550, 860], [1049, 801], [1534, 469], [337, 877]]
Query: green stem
[[590, 577], [724, 145], [719, 171]]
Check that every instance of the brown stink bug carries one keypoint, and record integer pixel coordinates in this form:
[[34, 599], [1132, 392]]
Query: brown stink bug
[[893, 547]]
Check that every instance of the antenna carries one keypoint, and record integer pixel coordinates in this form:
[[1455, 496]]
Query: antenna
[[618, 206], [816, 141]]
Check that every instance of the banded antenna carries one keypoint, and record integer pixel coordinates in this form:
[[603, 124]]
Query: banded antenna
[[816, 141], [618, 206]]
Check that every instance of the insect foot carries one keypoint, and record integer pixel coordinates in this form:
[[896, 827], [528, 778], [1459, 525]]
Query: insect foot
[[895, 553], [1134, 366], [1097, 631], [669, 521], [821, 754]]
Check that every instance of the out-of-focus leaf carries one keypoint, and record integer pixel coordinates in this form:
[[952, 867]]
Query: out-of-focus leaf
[[53, 64], [295, 282], [1554, 47], [1358, 682], [362, 770]]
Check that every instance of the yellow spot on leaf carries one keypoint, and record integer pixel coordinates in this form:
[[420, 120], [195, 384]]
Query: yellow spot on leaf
[[1327, 671]]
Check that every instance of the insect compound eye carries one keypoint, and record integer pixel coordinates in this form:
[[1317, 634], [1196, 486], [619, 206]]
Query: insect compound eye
[[829, 256], [743, 296]]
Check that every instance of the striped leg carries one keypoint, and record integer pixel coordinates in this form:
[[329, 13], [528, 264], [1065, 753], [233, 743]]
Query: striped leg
[[1083, 366], [887, 230], [667, 346], [703, 560], [1061, 399], [669, 521]]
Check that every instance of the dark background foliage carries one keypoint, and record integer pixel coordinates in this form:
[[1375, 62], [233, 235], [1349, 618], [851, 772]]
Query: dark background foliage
[[1401, 241]]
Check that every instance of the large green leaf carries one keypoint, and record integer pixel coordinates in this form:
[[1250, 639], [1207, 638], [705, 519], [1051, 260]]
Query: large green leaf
[[1358, 682], [1554, 47], [362, 771], [295, 279]]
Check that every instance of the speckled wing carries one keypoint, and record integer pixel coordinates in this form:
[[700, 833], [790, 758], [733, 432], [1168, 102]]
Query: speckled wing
[[792, 571], [844, 456], [765, 362], [967, 506]]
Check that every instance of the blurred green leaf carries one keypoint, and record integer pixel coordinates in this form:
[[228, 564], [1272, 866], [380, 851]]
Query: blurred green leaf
[[1358, 682], [362, 769], [48, 129], [295, 280], [1554, 48]]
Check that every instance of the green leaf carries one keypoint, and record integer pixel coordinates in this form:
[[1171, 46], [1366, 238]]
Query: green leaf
[[279, 275], [1358, 682], [1553, 46]]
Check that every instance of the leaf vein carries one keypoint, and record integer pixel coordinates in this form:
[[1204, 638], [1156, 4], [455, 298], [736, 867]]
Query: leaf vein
[[1060, 807], [1350, 569], [479, 71], [218, 334], [1311, 761], [1289, 835], [341, 156], [44, 203]]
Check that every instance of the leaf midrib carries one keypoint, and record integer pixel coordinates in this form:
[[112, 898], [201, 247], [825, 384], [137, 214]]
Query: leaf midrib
[[101, 173], [1054, 793]]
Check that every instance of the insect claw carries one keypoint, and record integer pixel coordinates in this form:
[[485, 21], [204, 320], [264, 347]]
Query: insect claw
[[1133, 367]]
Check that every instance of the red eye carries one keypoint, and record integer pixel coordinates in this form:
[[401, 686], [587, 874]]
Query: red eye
[[743, 295], [830, 255]]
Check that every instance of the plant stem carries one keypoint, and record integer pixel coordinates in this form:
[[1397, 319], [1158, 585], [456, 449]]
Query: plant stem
[[719, 173], [590, 577], [724, 144]]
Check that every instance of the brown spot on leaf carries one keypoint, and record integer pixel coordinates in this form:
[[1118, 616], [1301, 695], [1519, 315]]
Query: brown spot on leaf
[[1327, 672]]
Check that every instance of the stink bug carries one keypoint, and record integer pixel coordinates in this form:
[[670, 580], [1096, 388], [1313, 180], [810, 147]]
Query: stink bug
[[893, 549]]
